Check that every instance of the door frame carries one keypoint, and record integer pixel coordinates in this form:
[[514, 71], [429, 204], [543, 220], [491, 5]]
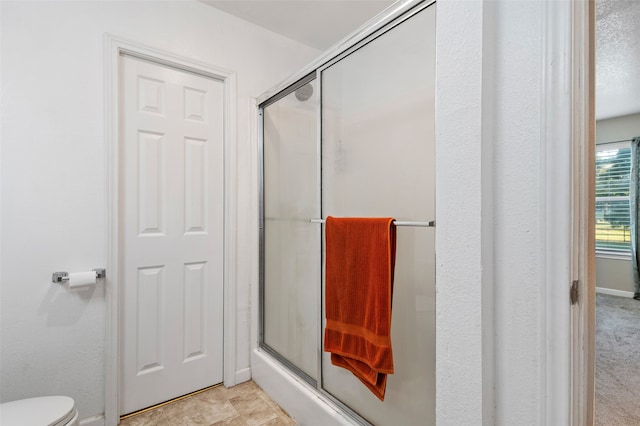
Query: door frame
[[568, 187], [583, 130], [113, 47]]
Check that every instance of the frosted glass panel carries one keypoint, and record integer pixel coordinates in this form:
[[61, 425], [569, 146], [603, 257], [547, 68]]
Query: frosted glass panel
[[378, 160], [291, 243]]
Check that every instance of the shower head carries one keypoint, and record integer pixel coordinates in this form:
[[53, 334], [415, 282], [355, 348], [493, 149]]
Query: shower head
[[304, 93]]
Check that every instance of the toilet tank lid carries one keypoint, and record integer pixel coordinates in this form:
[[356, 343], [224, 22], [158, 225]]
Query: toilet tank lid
[[41, 411]]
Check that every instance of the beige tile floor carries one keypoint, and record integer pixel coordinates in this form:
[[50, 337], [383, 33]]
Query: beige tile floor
[[242, 405]]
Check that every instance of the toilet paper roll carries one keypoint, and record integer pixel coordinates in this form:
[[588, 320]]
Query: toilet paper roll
[[82, 279]]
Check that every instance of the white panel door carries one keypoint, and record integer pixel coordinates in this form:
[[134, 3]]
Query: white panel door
[[171, 252]]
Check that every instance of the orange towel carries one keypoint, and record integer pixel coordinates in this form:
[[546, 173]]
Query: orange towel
[[360, 259]]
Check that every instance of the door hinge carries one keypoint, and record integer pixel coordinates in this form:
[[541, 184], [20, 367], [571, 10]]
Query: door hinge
[[573, 293]]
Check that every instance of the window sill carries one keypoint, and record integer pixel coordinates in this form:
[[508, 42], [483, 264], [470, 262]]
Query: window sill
[[602, 254]]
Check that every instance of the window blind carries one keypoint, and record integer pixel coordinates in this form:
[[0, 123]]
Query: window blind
[[613, 167]]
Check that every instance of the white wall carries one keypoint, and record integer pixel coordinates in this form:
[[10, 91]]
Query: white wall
[[616, 274], [53, 172], [491, 275], [517, 207], [459, 236], [618, 128]]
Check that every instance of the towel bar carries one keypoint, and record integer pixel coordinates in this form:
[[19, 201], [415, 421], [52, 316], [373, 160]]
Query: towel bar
[[430, 224]]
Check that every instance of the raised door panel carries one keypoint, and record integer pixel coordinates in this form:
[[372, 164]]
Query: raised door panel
[[195, 209], [151, 188], [149, 321], [194, 315]]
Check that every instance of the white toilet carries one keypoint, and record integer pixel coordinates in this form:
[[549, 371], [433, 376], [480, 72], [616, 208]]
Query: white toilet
[[42, 411]]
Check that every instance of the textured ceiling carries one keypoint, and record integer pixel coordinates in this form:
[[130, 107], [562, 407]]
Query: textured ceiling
[[617, 57], [316, 23]]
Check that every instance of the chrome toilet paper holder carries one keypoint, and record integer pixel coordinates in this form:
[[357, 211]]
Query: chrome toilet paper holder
[[63, 277]]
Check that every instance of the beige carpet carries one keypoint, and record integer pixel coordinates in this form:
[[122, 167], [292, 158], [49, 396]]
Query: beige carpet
[[617, 361]]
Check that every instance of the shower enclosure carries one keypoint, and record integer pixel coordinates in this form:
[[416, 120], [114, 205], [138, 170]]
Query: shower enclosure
[[354, 137]]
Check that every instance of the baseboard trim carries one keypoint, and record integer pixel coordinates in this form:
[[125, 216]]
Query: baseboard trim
[[614, 292], [93, 421], [243, 375]]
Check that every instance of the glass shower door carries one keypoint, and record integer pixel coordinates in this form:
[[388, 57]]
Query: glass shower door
[[378, 115], [291, 244], [363, 147]]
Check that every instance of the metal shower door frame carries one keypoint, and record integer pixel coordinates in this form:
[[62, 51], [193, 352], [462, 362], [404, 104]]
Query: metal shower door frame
[[376, 27]]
